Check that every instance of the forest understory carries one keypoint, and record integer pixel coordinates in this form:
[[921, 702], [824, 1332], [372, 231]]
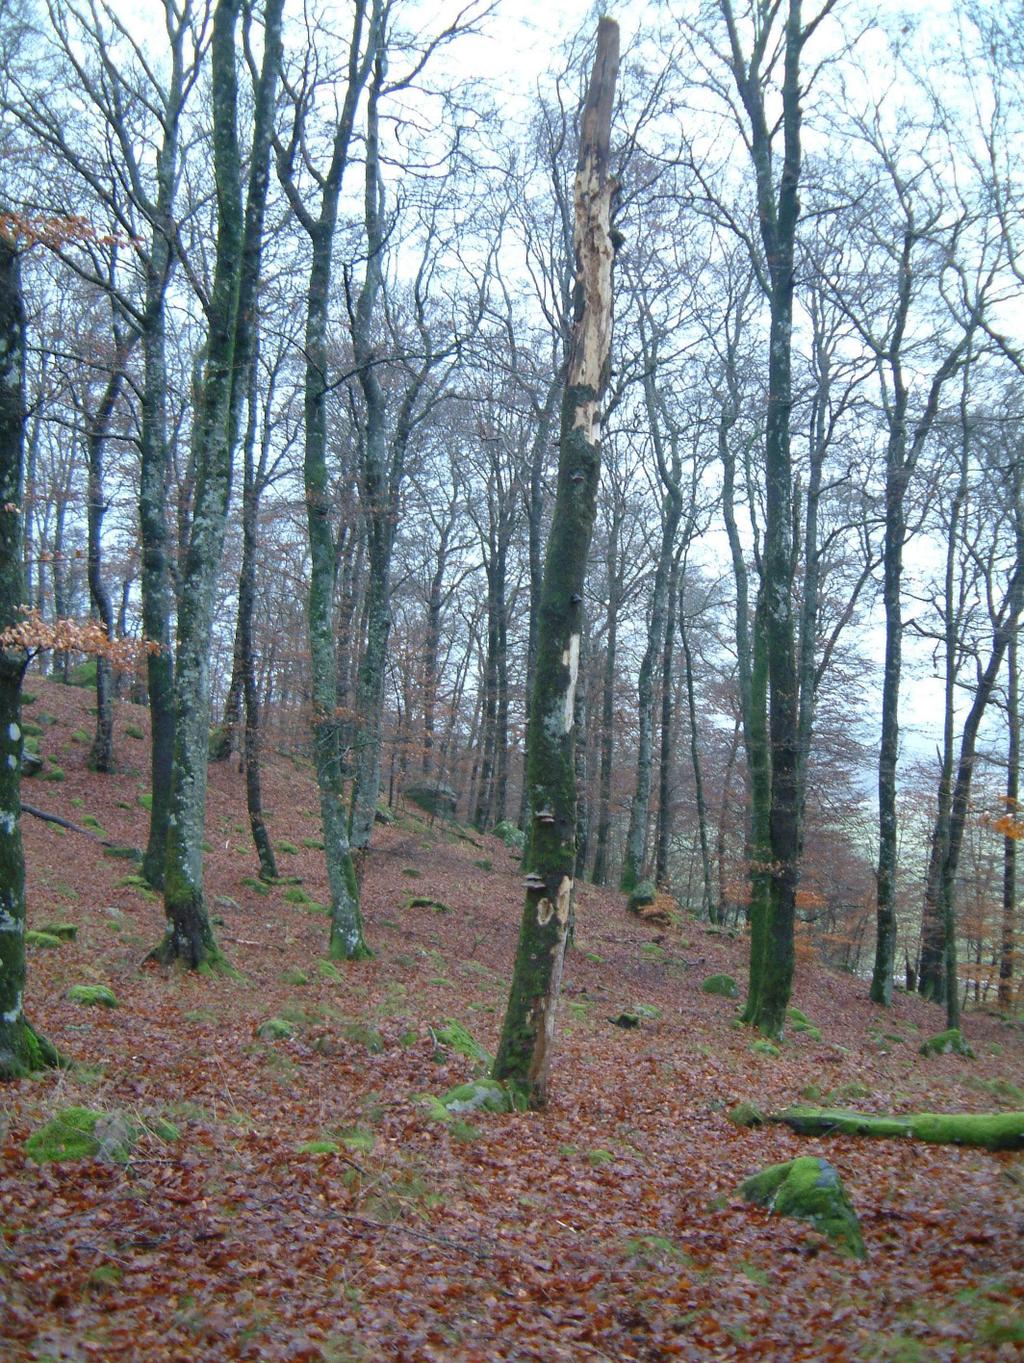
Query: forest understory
[[289, 1197]]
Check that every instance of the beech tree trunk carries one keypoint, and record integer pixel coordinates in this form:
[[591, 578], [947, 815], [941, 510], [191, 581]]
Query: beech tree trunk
[[189, 936], [347, 941], [633, 861], [1007, 947], [527, 1039], [772, 958], [22, 1049], [1004, 627], [101, 755]]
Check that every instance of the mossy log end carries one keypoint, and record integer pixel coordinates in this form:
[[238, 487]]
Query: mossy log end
[[991, 1131]]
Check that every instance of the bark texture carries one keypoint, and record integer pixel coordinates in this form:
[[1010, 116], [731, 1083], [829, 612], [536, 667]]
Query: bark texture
[[22, 1049], [525, 1048], [189, 936]]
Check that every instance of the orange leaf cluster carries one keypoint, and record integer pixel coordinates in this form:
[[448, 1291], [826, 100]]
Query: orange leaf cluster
[[34, 634], [19, 229]]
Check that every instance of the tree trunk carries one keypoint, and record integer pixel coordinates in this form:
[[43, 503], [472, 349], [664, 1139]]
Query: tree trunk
[[189, 935], [375, 487], [708, 908], [931, 978], [244, 652], [347, 941], [101, 756], [662, 873], [599, 875], [527, 1039], [22, 1049], [1007, 947], [1005, 626], [636, 838]]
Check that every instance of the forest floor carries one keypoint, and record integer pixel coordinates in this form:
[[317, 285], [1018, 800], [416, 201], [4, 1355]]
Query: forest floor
[[605, 1228]]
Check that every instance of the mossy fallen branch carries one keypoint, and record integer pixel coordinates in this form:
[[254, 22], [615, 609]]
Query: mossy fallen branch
[[991, 1131]]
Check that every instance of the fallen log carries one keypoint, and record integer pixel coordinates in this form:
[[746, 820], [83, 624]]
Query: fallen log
[[990, 1130]]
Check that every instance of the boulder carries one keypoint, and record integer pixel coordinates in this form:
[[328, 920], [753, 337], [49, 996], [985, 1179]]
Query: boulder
[[809, 1188]]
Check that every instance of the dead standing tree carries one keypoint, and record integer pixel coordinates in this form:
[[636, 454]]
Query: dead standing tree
[[524, 1052]]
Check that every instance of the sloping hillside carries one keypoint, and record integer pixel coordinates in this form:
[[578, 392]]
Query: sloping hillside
[[606, 1227]]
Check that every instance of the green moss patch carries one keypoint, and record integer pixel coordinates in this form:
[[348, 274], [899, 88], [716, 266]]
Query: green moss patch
[[275, 1029], [67, 932], [419, 901], [810, 1189], [480, 1096], [82, 1133], [455, 1037], [293, 975], [319, 1148], [723, 985], [745, 1115], [949, 1042], [41, 939], [92, 996], [767, 1048]]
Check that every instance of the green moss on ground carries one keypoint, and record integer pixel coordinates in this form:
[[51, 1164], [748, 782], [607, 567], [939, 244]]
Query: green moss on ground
[[723, 985], [949, 1042], [41, 939], [810, 1189], [92, 995], [745, 1114], [481, 1095], [83, 1133], [66, 932], [455, 1037]]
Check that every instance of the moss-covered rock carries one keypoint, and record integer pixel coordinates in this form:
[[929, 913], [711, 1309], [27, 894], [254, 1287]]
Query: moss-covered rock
[[808, 1188], [481, 1095], [724, 985], [67, 932], [82, 1133], [275, 1029], [31, 763], [92, 996], [645, 893], [950, 1042], [41, 939]]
